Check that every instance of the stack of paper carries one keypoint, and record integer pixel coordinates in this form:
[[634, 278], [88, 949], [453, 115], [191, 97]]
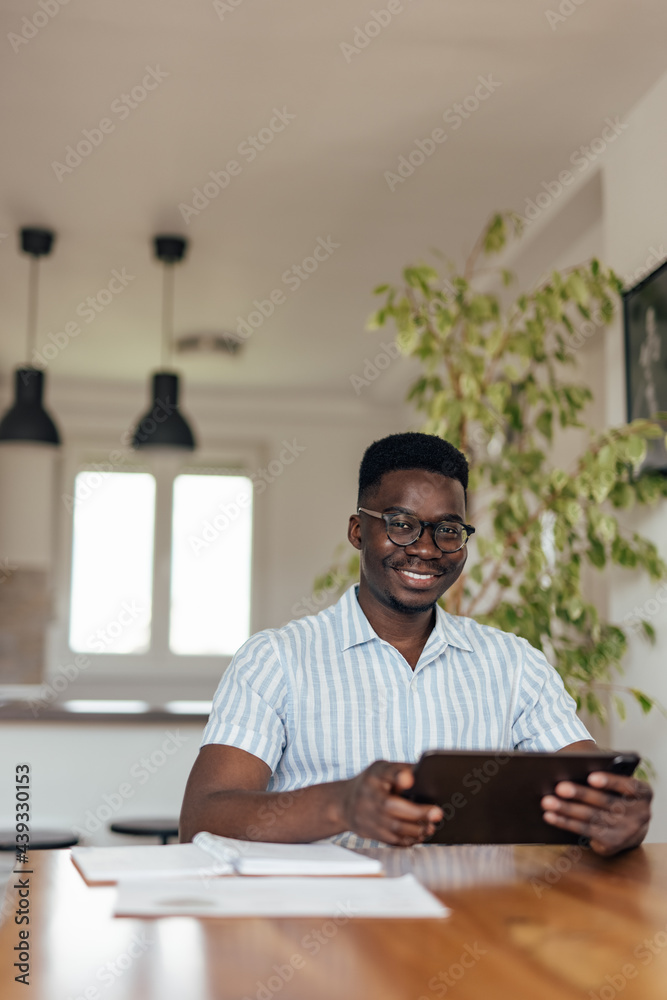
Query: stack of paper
[[280, 897], [179, 880]]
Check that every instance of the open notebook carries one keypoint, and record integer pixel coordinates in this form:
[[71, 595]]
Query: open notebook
[[209, 855]]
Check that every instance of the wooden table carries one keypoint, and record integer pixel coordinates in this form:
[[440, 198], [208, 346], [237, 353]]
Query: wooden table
[[528, 923]]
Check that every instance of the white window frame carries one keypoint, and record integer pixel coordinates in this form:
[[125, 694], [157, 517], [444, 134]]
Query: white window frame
[[158, 675]]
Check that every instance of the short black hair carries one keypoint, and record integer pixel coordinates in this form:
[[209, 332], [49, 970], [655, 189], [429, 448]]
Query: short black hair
[[411, 450]]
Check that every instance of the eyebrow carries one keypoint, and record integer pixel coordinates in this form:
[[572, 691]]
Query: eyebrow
[[405, 510]]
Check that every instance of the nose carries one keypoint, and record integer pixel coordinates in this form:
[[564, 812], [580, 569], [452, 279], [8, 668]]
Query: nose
[[425, 546]]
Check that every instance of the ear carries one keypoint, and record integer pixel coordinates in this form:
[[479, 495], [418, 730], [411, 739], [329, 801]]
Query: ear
[[354, 531]]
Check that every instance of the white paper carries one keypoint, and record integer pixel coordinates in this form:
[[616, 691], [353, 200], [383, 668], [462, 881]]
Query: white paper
[[169, 861], [257, 858], [279, 897]]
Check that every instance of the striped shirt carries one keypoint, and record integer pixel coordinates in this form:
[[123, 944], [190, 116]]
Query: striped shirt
[[324, 696]]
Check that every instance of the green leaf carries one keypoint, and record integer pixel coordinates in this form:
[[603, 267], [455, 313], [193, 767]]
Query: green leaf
[[596, 554], [544, 424], [636, 448], [645, 703], [648, 631]]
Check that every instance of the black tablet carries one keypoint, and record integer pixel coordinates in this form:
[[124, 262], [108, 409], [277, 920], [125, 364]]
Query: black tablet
[[493, 797]]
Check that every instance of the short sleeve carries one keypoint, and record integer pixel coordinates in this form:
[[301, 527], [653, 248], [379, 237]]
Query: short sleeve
[[546, 716], [249, 706]]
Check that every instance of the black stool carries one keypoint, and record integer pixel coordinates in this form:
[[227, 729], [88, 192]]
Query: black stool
[[161, 828], [40, 840]]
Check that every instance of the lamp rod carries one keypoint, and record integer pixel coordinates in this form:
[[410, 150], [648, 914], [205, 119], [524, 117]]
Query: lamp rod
[[33, 295], [167, 312]]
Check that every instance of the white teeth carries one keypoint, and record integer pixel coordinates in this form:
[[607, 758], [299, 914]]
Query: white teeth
[[419, 576]]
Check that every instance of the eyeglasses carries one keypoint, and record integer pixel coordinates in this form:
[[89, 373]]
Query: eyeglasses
[[404, 529]]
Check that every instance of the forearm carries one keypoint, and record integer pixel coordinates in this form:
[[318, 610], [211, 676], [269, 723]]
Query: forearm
[[299, 816]]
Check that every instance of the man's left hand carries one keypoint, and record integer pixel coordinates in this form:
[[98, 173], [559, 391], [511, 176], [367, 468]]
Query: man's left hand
[[613, 811]]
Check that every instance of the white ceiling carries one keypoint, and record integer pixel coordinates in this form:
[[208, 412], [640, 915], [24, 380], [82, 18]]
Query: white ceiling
[[321, 177]]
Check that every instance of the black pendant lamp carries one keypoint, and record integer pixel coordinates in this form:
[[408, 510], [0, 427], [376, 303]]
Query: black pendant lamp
[[27, 420], [163, 425]]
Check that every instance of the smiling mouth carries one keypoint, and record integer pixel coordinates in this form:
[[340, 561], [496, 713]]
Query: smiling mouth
[[417, 578]]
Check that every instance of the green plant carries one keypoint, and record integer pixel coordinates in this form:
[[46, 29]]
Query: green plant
[[494, 384]]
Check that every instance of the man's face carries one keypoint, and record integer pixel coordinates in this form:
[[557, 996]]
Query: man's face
[[409, 578]]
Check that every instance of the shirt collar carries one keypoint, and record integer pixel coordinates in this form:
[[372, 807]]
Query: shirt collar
[[354, 628]]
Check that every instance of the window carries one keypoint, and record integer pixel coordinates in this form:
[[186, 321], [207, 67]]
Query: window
[[112, 564], [210, 565], [159, 585]]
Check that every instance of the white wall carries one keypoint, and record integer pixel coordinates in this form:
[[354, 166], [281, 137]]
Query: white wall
[[88, 775], [635, 219]]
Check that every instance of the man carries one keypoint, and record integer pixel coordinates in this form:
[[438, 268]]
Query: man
[[312, 723]]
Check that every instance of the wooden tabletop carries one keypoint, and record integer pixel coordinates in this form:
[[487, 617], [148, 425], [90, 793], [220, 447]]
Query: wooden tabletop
[[528, 923]]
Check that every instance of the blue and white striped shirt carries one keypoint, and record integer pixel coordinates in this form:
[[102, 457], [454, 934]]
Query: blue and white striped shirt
[[323, 697]]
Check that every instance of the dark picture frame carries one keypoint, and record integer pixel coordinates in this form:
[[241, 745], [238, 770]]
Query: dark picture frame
[[645, 330]]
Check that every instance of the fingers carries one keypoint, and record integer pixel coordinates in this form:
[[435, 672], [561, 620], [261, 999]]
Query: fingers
[[581, 793], [405, 831], [613, 811], [405, 823], [399, 808], [399, 775], [621, 784], [378, 810]]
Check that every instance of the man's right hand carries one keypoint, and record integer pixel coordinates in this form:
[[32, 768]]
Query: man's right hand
[[372, 806]]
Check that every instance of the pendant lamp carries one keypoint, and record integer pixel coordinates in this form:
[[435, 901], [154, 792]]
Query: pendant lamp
[[27, 420], [163, 425]]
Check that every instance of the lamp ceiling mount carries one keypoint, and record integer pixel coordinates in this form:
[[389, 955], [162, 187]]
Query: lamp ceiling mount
[[36, 242], [170, 249]]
